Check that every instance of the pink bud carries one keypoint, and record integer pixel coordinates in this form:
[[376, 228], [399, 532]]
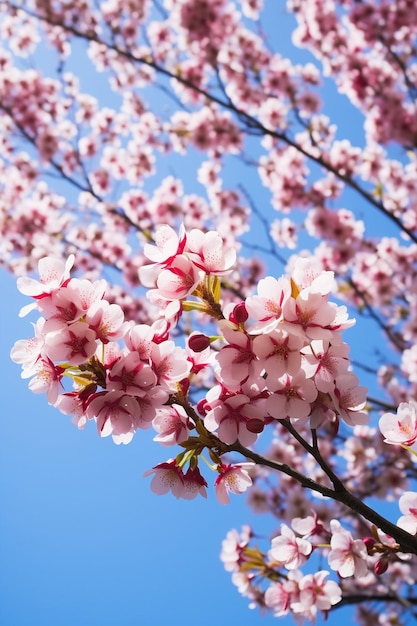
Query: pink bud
[[202, 406], [239, 314], [255, 425], [369, 543], [198, 343], [381, 566]]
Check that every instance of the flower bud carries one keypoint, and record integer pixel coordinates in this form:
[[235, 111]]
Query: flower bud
[[255, 425], [202, 407], [198, 342], [369, 543], [381, 566], [239, 314]]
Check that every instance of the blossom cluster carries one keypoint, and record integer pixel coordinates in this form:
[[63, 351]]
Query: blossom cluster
[[278, 355], [358, 563]]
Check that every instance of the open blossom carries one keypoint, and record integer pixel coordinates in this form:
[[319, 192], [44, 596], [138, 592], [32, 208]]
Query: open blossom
[[115, 413], [52, 274], [107, 320], [46, 378], [325, 361], [168, 476], [289, 550], [267, 305], [292, 396], [171, 424], [400, 429], [347, 556], [317, 593], [281, 596], [307, 272], [232, 479], [310, 315], [178, 280], [167, 245], [408, 506], [235, 417], [27, 351], [194, 484], [131, 375], [236, 359], [278, 352], [72, 300], [233, 546], [170, 364], [207, 251], [75, 343], [349, 399]]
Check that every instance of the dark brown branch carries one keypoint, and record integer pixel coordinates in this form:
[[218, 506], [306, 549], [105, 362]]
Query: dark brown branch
[[407, 542]]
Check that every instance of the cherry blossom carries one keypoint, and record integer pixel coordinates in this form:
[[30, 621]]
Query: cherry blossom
[[74, 343], [168, 476], [408, 506], [52, 273], [292, 396], [171, 424], [347, 556], [289, 550], [317, 593], [400, 429], [232, 479]]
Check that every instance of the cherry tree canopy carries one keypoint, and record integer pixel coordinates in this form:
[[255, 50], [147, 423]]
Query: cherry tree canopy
[[240, 224]]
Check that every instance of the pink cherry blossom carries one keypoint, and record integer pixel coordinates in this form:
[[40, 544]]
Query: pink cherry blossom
[[350, 399], [236, 359], [107, 320], [347, 556], [74, 344], [236, 417], [27, 351], [317, 593], [408, 506], [131, 375], [179, 280], [282, 596], [207, 251], [278, 352], [46, 378], [168, 476], [289, 550], [194, 484], [52, 273], [232, 479], [309, 314], [325, 362], [400, 429], [114, 412], [267, 305], [232, 547], [170, 364], [168, 245], [171, 424], [292, 396], [307, 272]]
